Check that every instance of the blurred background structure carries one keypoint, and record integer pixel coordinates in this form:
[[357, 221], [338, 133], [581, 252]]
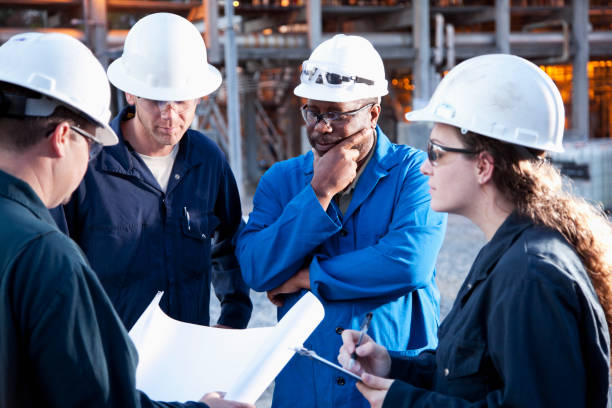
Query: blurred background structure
[[255, 117]]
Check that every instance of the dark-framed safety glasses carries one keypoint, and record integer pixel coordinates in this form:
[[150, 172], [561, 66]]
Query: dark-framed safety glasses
[[312, 118], [436, 151]]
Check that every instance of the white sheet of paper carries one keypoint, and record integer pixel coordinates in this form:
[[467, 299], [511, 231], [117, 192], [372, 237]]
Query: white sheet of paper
[[181, 361]]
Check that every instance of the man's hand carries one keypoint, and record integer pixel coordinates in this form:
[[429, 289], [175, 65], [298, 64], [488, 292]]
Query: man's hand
[[216, 400], [374, 389], [337, 168], [299, 281]]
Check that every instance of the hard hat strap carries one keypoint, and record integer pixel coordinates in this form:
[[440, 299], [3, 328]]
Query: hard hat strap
[[19, 105]]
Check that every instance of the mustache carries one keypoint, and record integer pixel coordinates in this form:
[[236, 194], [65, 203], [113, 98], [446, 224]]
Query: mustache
[[326, 139]]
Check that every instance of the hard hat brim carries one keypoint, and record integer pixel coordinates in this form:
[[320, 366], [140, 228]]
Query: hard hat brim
[[107, 135], [205, 84], [340, 94], [425, 115]]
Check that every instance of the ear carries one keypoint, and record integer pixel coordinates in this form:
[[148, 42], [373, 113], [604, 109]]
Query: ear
[[374, 115], [58, 140], [485, 166], [131, 99]]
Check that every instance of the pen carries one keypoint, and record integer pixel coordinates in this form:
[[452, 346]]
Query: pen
[[310, 353], [186, 213], [362, 330]]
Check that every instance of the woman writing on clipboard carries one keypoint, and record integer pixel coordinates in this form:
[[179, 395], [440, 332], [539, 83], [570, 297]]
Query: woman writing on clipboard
[[530, 324]]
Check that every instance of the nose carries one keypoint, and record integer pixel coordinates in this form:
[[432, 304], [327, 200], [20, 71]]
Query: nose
[[426, 168], [322, 126], [168, 111]]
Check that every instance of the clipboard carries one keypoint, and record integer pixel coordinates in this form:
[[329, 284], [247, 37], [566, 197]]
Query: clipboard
[[302, 351]]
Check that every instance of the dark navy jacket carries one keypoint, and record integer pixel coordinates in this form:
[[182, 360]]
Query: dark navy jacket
[[526, 330], [61, 342], [140, 240]]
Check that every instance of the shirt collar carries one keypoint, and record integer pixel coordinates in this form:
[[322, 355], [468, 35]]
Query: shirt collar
[[19, 191], [504, 237], [122, 156]]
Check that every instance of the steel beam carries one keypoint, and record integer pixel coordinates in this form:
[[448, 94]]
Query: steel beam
[[502, 26], [314, 20], [422, 65], [233, 106], [580, 80]]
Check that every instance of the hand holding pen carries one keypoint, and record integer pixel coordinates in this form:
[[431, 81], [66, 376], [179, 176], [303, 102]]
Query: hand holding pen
[[372, 358], [362, 330]]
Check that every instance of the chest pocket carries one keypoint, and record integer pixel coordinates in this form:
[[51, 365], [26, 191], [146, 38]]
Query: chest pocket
[[198, 227], [193, 250], [464, 359], [463, 371]]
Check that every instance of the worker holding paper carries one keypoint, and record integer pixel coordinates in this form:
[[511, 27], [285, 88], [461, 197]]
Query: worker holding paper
[[159, 210], [349, 221], [61, 342]]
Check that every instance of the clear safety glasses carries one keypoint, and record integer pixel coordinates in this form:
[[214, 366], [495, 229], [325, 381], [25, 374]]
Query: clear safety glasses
[[160, 106], [314, 74], [94, 146], [435, 152], [312, 118]]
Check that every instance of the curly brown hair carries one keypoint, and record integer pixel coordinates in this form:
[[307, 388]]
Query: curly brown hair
[[537, 190]]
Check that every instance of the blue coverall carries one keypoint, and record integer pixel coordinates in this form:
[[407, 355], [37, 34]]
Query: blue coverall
[[378, 257]]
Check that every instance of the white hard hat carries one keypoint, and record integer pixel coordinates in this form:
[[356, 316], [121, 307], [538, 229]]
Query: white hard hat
[[500, 96], [164, 58], [342, 69], [63, 69]]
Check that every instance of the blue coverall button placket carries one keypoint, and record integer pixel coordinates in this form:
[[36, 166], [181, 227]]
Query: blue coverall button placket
[[390, 202]]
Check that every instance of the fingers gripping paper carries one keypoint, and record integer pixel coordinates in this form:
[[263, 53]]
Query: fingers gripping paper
[[182, 361]]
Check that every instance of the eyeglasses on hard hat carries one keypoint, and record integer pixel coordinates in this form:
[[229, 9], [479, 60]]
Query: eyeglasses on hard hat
[[313, 74], [436, 151], [312, 118], [94, 146], [160, 106]]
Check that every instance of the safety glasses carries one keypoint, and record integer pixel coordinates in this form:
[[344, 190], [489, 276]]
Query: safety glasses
[[435, 152], [160, 106], [94, 146], [312, 118], [314, 74]]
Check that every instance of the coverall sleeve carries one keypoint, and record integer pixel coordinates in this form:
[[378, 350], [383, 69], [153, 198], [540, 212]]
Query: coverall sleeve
[[402, 260], [533, 338], [82, 354], [228, 284], [418, 371], [280, 237]]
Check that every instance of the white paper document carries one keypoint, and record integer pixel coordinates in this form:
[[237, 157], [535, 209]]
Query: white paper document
[[181, 361]]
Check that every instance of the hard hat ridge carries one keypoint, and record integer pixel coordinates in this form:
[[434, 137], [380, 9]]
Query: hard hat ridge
[[164, 58], [501, 96]]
